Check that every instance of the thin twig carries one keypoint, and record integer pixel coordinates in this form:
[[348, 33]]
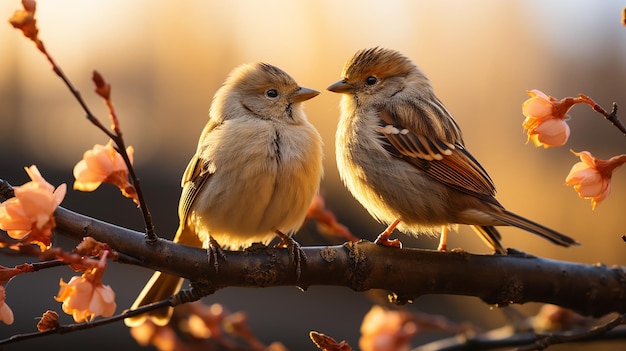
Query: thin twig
[[559, 338], [83, 326], [117, 139], [151, 236], [611, 117], [25, 21], [116, 136], [493, 340], [184, 296], [103, 89], [37, 266]]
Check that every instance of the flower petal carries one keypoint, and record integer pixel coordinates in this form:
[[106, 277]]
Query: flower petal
[[553, 132], [35, 175], [6, 314], [537, 107], [103, 301], [579, 172]]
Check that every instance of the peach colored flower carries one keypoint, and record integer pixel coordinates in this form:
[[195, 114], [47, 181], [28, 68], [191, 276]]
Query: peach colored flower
[[387, 330], [29, 215], [163, 338], [104, 164], [85, 297], [591, 178], [6, 315], [552, 132], [545, 118], [206, 321], [552, 318]]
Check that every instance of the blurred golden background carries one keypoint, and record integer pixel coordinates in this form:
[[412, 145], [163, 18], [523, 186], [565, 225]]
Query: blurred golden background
[[166, 59]]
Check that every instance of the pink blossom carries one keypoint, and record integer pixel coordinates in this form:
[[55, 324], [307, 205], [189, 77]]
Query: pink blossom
[[29, 215], [6, 315], [591, 178], [163, 338], [85, 297], [103, 164], [552, 132], [545, 118], [206, 321], [387, 330]]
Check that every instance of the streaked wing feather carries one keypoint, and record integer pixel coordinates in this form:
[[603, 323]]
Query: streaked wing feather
[[449, 163], [197, 173]]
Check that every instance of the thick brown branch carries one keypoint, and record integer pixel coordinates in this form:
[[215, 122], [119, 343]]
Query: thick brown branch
[[409, 273]]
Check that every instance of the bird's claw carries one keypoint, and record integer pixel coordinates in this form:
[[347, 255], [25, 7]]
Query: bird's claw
[[296, 253], [384, 240], [215, 252]]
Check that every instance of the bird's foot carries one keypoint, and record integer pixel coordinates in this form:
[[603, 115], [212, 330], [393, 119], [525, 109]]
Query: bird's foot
[[295, 251], [215, 252], [383, 238]]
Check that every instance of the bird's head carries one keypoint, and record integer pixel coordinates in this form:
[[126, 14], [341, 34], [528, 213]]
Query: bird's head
[[266, 91], [378, 74]]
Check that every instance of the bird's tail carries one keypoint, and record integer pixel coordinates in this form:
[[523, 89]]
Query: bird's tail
[[491, 237], [159, 287], [513, 219]]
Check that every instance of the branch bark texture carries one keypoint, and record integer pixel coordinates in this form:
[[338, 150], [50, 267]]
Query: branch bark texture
[[409, 273]]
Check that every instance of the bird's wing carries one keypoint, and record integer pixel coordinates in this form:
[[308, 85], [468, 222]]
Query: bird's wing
[[445, 161], [196, 174]]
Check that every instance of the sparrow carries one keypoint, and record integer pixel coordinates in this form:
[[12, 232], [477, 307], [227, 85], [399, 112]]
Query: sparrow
[[255, 172], [401, 154]]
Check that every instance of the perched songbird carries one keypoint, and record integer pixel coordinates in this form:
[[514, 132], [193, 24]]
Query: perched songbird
[[257, 167], [402, 156]]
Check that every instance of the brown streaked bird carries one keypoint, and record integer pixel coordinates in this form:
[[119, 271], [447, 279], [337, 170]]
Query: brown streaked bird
[[401, 155], [256, 169]]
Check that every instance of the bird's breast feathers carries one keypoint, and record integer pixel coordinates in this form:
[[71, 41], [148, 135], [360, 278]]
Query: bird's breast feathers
[[274, 195]]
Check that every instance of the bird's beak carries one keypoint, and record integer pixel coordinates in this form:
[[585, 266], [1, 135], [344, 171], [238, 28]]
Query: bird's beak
[[341, 87], [304, 94]]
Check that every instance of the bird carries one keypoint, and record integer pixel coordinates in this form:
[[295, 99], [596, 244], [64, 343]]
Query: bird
[[255, 172], [401, 154]]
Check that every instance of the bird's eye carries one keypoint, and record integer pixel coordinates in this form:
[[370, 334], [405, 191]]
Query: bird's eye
[[271, 93], [371, 80]]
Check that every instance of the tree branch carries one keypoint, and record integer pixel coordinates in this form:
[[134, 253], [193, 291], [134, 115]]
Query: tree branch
[[526, 340], [500, 280]]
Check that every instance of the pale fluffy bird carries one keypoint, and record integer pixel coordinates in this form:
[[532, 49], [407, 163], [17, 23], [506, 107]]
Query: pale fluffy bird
[[256, 169]]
